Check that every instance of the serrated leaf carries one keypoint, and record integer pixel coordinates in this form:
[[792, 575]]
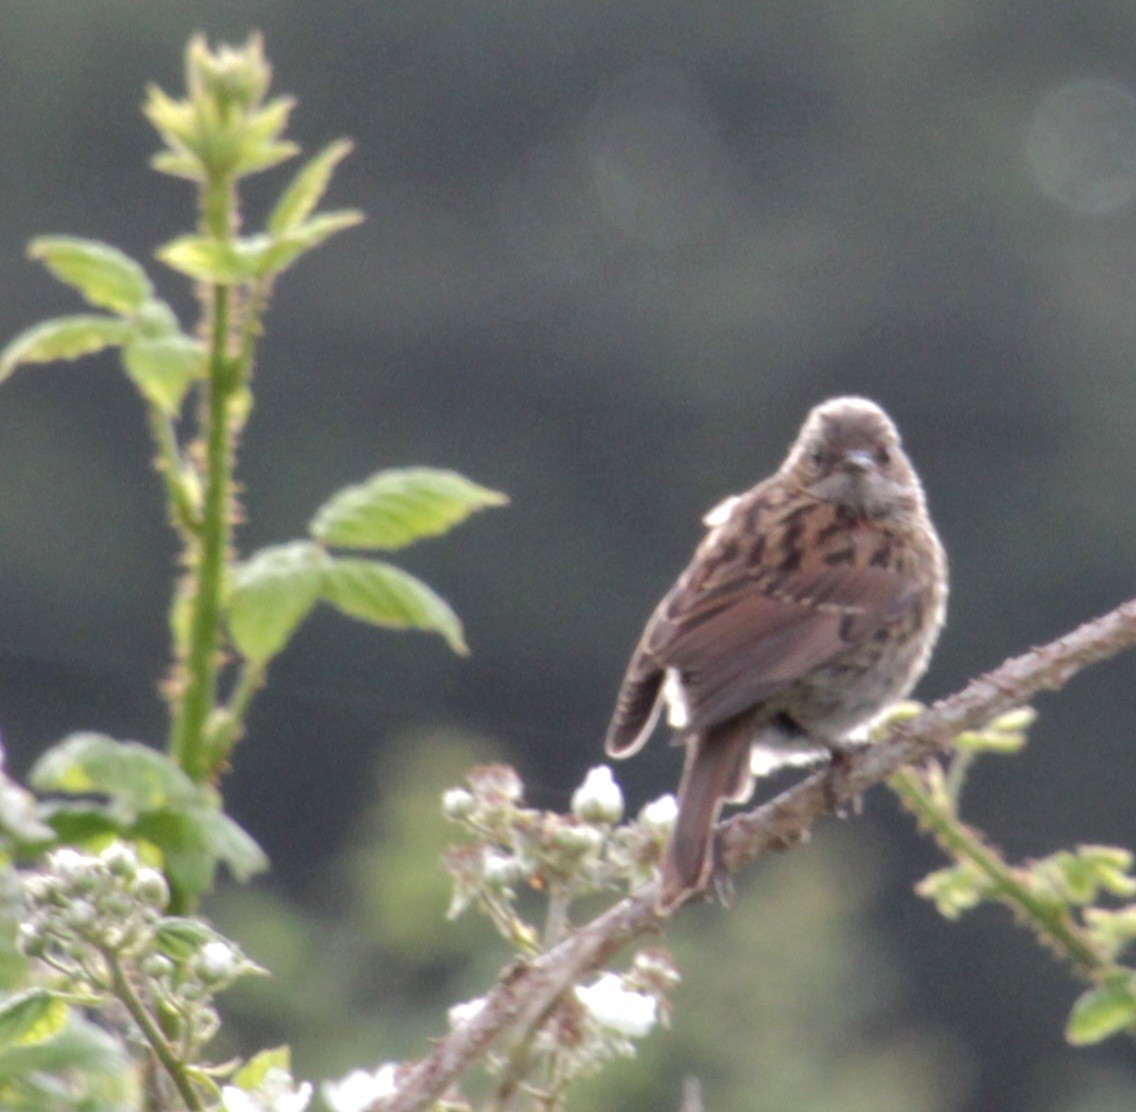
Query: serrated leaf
[[272, 592], [388, 596], [30, 1017], [307, 188], [80, 1046], [62, 338], [164, 368], [107, 277], [953, 890], [394, 508], [230, 843], [179, 164], [252, 1074], [206, 259], [284, 249], [263, 156], [133, 776], [1105, 1010]]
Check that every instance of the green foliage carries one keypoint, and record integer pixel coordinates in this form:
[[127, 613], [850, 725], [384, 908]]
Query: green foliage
[[129, 790], [104, 276], [1061, 898], [91, 929], [397, 507]]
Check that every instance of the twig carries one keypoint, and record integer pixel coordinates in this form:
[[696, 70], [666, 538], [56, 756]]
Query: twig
[[530, 990]]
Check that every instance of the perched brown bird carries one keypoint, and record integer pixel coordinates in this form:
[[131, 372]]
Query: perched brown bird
[[812, 603]]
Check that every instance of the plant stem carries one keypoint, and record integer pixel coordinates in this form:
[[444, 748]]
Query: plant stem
[[1050, 923], [199, 695], [184, 515], [152, 1033]]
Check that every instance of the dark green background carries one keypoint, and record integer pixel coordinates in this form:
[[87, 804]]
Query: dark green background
[[614, 251]]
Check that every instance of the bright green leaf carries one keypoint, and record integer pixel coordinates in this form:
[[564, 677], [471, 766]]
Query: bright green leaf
[[388, 596], [164, 368], [133, 776], [179, 164], [263, 156], [953, 890], [30, 1017], [104, 275], [206, 259], [307, 188], [284, 249], [396, 507], [1105, 1010], [252, 1074], [62, 338], [272, 592]]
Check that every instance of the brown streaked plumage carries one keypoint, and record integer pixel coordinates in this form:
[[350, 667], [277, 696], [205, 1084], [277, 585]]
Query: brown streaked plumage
[[812, 603]]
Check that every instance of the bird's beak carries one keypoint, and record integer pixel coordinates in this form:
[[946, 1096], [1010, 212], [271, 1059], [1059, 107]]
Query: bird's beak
[[857, 462]]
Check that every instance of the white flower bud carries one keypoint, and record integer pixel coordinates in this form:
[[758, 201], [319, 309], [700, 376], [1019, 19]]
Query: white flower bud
[[611, 1005], [598, 798], [120, 859], [659, 815], [217, 961], [457, 803]]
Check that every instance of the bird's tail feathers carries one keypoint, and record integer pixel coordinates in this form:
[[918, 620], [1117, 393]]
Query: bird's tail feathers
[[716, 769]]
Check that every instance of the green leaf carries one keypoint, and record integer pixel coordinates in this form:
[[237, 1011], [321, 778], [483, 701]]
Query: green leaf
[[272, 592], [206, 259], [284, 249], [193, 840], [62, 338], [104, 275], [164, 368], [252, 1074], [388, 596], [397, 507], [1105, 1010], [84, 1054], [230, 843], [307, 188], [955, 889], [31, 1017], [133, 776]]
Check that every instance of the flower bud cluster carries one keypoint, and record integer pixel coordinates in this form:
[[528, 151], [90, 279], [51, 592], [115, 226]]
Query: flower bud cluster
[[82, 907], [96, 920], [577, 854]]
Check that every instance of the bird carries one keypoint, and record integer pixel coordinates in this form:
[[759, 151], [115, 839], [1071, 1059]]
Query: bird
[[812, 603]]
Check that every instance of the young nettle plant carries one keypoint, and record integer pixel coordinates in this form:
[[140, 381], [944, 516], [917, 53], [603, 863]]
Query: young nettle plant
[[229, 616]]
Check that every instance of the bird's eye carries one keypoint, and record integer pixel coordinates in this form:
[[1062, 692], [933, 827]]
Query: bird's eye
[[882, 457], [818, 457]]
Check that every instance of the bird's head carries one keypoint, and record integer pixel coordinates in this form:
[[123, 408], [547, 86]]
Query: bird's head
[[848, 453]]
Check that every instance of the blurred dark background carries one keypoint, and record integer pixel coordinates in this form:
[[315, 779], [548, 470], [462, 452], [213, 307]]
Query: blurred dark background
[[613, 254]]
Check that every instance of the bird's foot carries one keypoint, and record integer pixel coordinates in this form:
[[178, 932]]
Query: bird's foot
[[840, 802]]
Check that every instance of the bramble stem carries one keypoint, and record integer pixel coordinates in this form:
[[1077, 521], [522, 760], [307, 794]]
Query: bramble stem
[[196, 701], [1050, 922], [153, 1035]]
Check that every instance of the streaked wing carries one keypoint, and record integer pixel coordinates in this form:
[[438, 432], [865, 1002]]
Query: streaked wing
[[752, 635]]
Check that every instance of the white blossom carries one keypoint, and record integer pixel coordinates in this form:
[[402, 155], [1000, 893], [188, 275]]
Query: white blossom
[[359, 1089], [660, 814], [277, 1094], [598, 798], [612, 1005]]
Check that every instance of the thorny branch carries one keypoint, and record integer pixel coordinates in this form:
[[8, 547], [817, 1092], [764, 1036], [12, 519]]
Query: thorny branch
[[528, 991]]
